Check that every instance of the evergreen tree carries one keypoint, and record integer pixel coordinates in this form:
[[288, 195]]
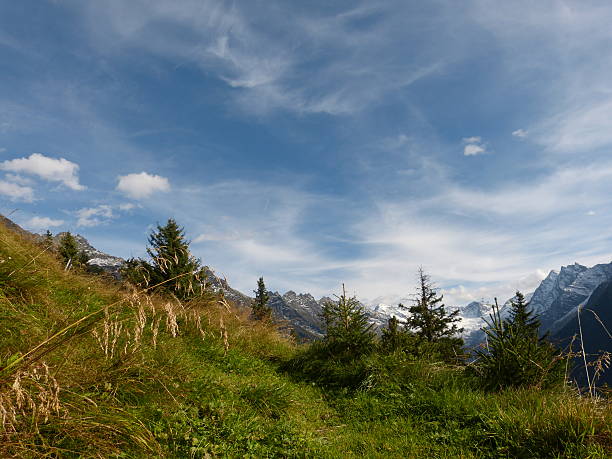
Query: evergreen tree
[[522, 318], [393, 337], [68, 249], [260, 308], [347, 326], [48, 240], [172, 267], [514, 354], [429, 319]]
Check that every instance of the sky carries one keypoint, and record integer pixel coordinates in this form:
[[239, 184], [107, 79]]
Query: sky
[[317, 143]]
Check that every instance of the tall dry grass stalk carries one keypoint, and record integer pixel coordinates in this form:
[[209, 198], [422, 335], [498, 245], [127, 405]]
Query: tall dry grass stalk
[[32, 397]]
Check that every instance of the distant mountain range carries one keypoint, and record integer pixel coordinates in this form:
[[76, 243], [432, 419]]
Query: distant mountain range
[[556, 300]]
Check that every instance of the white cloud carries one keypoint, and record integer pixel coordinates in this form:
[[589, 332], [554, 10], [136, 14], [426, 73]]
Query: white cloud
[[16, 178], [142, 185], [520, 133], [94, 216], [16, 192], [474, 146], [41, 223], [126, 207], [217, 237], [473, 149], [581, 127], [50, 169]]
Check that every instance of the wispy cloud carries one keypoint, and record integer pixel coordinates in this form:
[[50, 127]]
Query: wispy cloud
[[94, 216], [239, 44]]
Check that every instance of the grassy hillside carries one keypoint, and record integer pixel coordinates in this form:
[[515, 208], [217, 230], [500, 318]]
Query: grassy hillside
[[89, 368]]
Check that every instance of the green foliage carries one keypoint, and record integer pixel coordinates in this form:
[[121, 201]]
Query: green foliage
[[172, 268], [391, 339], [48, 239], [183, 393], [515, 355], [429, 319], [260, 308], [328, 365], [347, 328], [522, 319], [68, 248]]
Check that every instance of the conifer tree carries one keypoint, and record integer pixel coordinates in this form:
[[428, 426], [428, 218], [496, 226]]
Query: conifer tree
[[514, 354], [347, 326], [48, 239], [522, 318], [260, 308], [429, 319], [68, 249], [172, 266], [393, 337]]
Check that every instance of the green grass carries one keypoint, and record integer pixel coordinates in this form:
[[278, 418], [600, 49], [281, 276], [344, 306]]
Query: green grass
[[147, 377]]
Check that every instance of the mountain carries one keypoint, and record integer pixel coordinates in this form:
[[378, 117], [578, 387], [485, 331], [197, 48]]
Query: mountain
[[302, 311], [555, 300], [95, 258], [596, 325], [221, 284], [561, 292]]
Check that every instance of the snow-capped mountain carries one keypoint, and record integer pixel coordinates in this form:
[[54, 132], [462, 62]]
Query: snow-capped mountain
[[555, 300], [302, 311], [561, 292], [95, 258]]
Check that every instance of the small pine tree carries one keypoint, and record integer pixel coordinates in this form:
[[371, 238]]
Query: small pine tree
[[514, 354], [521, 318], [347, 326], [429, 319], [48, 240], [393, 337], [68, 249], [260, 308], [172, 267]]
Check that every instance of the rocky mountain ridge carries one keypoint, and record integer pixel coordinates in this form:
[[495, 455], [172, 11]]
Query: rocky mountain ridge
[[555, 300]]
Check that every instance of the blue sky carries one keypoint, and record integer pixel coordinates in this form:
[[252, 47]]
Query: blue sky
[[317, 142]]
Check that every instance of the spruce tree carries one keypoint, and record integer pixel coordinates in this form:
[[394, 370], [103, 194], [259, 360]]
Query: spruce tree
[[522, 318], [48, 240], [429, 319], [68, 249], [347, 326], [393, 337], [514, 354], [260, 308], [172, 268]]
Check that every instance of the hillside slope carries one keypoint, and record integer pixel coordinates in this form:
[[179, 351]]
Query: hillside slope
[[90, 368]]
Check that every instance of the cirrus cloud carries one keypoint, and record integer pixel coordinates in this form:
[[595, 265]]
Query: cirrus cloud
[[142, 185]]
